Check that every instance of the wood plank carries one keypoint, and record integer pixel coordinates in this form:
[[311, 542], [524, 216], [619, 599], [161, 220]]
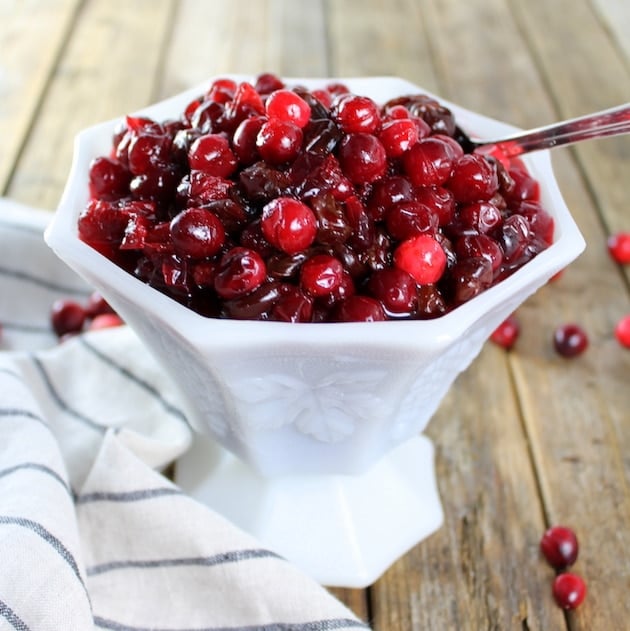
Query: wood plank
[[372, 38], [577, 412], [237, 36], [108, 68], [488, 85], [482, 569], [30, 49], [615, 15]]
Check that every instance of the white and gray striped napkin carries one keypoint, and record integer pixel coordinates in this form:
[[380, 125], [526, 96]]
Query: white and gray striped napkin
[[91, 535]]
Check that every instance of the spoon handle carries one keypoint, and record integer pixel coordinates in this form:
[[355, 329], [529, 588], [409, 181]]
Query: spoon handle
[[610, 122]]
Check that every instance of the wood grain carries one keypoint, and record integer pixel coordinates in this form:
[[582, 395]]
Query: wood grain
[[29, 51], [108, 68]]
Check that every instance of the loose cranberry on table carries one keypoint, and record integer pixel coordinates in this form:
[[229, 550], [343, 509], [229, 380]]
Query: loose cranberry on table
[[619, 247], [569, 590], [622, 331], [570, 340], [271, 202], [506, 334], [559, 546]]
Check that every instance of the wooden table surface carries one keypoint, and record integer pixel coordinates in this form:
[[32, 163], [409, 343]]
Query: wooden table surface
[[525, 439]]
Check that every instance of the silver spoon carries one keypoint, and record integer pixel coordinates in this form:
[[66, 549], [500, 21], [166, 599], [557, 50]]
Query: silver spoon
[[610, 122]]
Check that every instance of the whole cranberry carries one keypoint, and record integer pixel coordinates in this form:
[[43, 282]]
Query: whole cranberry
[[245, 138], [240, 272], [67, 316], [422, 257], [357, 308], [506, 334], [396, 290], [429, 162], [397, 136], [97, 305], [362, 158], [474, 179], [287, 106], [356, 114], [559, 546], [619, 247], [288, 224], [197, 233], [569, 590], [622, 331], [570, 340], [279, 141], [109, 179], [105, 321], [212, 154], [320, 275]]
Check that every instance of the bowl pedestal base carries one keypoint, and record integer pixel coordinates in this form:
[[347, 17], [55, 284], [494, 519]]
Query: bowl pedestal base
[[342, 530]]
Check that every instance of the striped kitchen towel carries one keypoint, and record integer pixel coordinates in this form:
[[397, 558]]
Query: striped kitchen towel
[[92, 536]]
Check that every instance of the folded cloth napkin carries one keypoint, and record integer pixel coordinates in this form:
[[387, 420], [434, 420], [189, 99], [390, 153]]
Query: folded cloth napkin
[[92, 536]]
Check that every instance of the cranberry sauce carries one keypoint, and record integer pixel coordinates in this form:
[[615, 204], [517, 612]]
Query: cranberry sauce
[[262, 201]]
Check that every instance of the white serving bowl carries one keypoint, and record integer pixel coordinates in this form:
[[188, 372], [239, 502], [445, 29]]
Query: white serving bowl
[[309, 399]]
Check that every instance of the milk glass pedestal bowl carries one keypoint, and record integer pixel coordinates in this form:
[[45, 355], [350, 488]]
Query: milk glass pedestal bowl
[[310, 434]]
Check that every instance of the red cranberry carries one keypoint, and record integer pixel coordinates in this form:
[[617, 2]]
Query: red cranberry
[[245, 139], [422, 257], [240, 271], [246, 102], [469, 277], [356, 114], [474, 179], [570, 340], [540, 221], [429, 162], [279, 141], [475, 245], [97, 305], [197, 233], [410, 218], [288, 224], [267, 82], [440, 200], [108, 179], [293, 305], [362, 158], [67, 316], [396, 290], [569, 590], [358, 308], [559, 546], [622, 331], [222, 90], [321, 275], [525, 186], [105, 321], [482, 217], [397, 136], [506, 334], [619, 247], [287, 106], [387, 192], [148, 151]]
